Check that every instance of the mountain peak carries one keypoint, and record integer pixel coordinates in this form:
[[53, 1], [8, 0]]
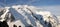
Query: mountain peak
[[26, 16]]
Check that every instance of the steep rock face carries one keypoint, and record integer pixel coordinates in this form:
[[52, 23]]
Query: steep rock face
[[3, 14], [49, 19], [5, 17], [28, 16]]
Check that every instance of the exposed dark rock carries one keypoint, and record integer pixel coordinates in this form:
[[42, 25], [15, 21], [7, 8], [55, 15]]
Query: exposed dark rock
[[19, 26], [49, 25], [14, 25], [3, 24]]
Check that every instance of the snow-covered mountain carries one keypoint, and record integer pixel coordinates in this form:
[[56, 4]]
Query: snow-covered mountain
[[29, 16]]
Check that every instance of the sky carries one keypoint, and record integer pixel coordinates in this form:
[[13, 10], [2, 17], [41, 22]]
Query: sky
[[49, 5], [32, 2]]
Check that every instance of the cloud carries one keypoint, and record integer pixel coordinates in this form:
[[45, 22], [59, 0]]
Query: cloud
[[54, 9]]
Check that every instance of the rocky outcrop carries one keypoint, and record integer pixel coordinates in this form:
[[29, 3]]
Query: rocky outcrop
[[4, 24]]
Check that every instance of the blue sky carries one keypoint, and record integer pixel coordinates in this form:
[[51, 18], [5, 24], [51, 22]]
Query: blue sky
[[32, 2]]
